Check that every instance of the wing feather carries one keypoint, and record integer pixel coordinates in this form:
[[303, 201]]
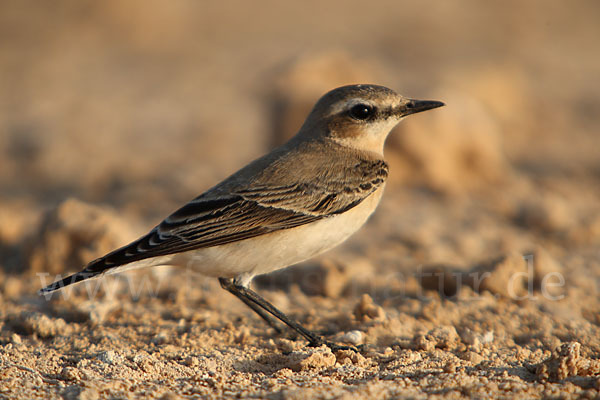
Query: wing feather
[[249, 212], [232, 212]]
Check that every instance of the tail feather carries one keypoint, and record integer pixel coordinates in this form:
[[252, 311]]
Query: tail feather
[[126, 257], [96, 268], [69, 280], [110, 262]]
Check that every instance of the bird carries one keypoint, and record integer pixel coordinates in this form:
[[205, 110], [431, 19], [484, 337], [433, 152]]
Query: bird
[[294, 203]]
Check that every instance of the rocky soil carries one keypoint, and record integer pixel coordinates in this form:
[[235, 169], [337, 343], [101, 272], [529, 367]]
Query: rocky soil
[[477, 277]]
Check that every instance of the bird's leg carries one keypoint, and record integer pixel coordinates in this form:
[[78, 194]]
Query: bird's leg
[[264, 315], [249, 296]]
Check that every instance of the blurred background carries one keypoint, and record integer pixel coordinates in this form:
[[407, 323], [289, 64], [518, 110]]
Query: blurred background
[[114, 113]]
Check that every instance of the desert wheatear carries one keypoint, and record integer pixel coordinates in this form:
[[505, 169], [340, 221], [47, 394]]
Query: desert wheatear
[[298, 201]]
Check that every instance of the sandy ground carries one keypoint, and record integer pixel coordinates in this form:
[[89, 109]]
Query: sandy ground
[[477, 277]]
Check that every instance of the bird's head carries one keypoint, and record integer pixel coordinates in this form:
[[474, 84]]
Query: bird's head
[[361, 116]]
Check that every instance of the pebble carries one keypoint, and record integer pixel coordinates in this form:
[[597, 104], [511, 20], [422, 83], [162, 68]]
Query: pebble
[[110, 357]]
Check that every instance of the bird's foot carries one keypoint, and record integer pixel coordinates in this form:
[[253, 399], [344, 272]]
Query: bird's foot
[[335, 347]]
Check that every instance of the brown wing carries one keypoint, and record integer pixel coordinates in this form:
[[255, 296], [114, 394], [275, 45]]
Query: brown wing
[[328, 192], [246, 212]]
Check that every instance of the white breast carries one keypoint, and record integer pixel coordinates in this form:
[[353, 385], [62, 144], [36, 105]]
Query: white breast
[[259, 255]]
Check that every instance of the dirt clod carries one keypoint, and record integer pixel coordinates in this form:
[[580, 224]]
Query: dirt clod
[[39, 324], [367, 310], [311, 358], [75, 233], [566, 361]]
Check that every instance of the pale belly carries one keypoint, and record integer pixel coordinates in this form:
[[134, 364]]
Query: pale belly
[[244, 259]]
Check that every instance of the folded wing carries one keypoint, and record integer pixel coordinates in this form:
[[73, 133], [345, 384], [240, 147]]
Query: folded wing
[[243, 213]]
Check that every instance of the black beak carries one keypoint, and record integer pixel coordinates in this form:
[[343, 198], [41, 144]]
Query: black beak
[[417, 106]]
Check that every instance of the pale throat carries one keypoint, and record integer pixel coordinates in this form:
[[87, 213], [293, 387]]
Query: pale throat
[[369, 138]]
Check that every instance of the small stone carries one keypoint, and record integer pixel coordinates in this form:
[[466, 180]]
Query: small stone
[[160, 338], [15, 338], [353, 337], [110, 357], [450, 367], [472, 357], [70, 374], [191, 361], [475, 341], [488, 337]]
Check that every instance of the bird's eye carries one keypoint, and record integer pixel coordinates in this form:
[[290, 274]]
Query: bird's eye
[[362, 111]]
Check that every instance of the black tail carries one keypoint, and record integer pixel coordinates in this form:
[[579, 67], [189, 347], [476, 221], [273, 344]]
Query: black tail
[[121, 256], [69, 280], [96, 268]]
